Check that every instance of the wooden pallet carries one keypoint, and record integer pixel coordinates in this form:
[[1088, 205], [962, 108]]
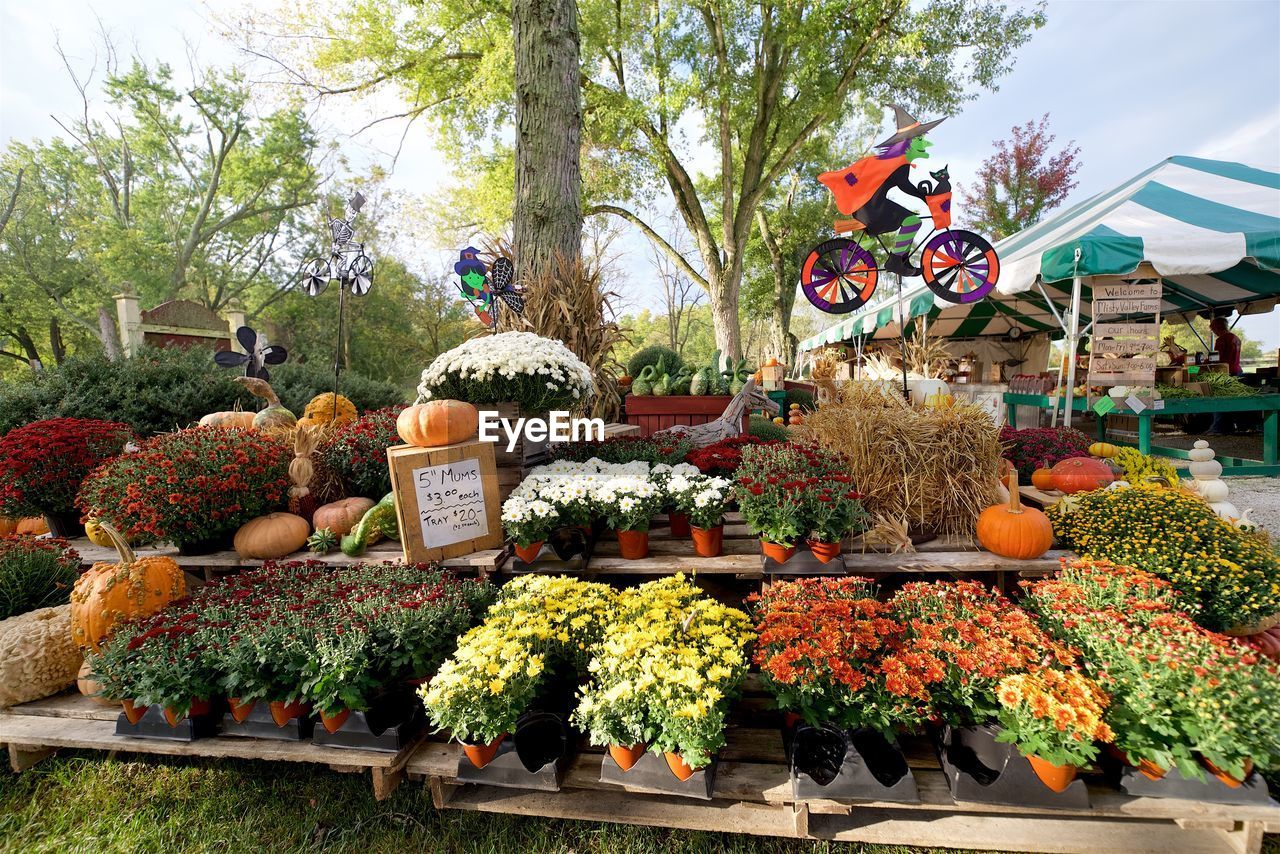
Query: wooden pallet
[[1040, 498], [753, 796], [34, 731], [211, 565], [741, 557]]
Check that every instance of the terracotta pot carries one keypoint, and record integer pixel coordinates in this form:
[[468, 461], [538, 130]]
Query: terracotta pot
[[282, 712], [528, 553], [482, 754], [824, 552], [1056, 777], [1151, 770], [171, 715], [133, 711], [678, 766], [780, 552], [1227, 779], [334, 723], [708, 542], [240, 710], [198, 707], [634, 545], [791, 720], [626, 756], [679, 524]]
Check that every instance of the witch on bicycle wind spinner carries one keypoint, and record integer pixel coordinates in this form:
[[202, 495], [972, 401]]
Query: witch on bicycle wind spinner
[[840, 275]]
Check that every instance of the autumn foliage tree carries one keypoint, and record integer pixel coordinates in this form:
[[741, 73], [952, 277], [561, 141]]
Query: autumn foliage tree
[[1022, 180]]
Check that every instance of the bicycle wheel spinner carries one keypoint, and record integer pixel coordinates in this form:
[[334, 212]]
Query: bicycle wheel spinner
[[839, 276], [959, 266]]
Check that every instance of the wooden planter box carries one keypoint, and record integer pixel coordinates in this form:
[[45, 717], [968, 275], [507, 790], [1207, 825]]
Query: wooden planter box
[[652, 414]]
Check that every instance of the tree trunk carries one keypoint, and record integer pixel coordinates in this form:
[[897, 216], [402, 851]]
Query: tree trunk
[[109, 335], [28, 344], [56, 345], [548, 216], [725, 286]]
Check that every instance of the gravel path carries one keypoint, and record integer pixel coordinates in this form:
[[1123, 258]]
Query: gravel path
[[1262, 494]]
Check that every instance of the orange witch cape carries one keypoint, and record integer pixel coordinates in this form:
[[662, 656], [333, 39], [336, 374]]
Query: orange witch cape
[[854, 186]]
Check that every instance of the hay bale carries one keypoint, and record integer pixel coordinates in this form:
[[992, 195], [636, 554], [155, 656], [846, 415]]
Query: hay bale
[[937, 469]]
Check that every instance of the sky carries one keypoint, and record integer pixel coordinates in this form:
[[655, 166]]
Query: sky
[[1129, 82]]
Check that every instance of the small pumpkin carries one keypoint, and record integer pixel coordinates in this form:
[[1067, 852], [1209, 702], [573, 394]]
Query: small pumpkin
[[1081, 474], [272, 536], [320, 410], [229, 418], [32, 526], [771, 362], [91, 688], [438, 422], [1042, 478], [1105, 450], [624, 380], [275, 416], [131, 588], [1013, 531], [341, 516], [93, 530]]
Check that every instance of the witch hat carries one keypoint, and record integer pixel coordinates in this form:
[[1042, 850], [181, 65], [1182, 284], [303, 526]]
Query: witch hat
[[909, 126], [468, 260]]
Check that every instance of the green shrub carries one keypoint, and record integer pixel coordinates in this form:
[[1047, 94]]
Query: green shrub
[[35, 573], [650, 356], [297, 384], [800, 396], [764, 429]]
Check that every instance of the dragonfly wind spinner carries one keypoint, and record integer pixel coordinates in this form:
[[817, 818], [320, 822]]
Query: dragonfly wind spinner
[[487, 289], [348, 265]]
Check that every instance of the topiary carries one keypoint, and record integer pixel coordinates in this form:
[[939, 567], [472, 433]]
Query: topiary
[[650, 356], [764, 429], [801, 397], [35, 573]]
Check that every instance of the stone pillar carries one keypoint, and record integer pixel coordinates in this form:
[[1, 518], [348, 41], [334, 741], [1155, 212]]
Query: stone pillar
[[129, 316], [235, 319]]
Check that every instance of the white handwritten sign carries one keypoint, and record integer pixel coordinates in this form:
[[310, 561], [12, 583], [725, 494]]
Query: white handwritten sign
[[1127, 290], [1125, 306], [1113, 330], [451, 504], [1116, 366]]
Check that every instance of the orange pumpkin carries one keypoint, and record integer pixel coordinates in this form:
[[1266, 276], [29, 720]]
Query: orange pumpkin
[[33, 526], [1042, 478], [321, 411], [438, 422], [111, 592], [8, 525], [1013, 531], [90, 687], [1081, 474], [341, 516], [771, 363], [272, 536]]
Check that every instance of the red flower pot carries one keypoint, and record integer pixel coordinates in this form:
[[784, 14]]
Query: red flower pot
[[825, 552], [679, 524], [791, 720], [482, 754], [284, 711], [132, 711], [708, 542], [1056, 777], [678, 766], [780, 552], [626, 756], [1227, 779], [528, 553], [240, 710], [634, 545], [333, 723]]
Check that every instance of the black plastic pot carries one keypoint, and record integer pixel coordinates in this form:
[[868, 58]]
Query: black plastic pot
[[1173, 784], [978, 768], [390, 724], [260, 724], [534, 757], [569, 549], [153, 725], [828, 762], [652, 774], [209, 546], [64, 525]]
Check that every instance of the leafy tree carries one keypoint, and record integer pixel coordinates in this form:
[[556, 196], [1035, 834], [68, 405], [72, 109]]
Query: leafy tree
[[662, 82], [1022, 180]]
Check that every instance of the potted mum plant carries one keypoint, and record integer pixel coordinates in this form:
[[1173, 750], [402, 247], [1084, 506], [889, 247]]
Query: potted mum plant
[[628, 503], [43, 463], [193, 487], [529, 522], [1054, 718], [703, 502], [834, 511], [773, 515]]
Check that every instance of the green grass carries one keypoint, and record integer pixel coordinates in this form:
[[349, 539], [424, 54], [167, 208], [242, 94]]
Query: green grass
[[82, 801]]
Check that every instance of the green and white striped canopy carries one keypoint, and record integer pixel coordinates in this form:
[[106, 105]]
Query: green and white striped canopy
[[1209, 228]]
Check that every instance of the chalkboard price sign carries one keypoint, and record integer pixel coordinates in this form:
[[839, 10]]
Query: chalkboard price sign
[[447, 499]]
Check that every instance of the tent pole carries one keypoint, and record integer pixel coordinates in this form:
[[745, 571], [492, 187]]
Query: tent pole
[[1073, 340]]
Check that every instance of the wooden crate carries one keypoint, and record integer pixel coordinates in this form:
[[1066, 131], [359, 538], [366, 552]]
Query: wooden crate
[[446, 500], [36, 730], [753, 796], [525, 453], [652, 414]]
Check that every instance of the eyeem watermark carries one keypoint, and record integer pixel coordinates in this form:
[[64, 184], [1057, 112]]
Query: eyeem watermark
[[558, 427]]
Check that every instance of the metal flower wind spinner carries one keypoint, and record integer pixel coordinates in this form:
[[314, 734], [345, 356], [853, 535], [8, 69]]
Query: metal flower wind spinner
[[258, 353]]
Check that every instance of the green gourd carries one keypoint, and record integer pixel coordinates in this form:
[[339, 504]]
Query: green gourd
[[380, 521], [701, 380], [662, 387], [642, 385]]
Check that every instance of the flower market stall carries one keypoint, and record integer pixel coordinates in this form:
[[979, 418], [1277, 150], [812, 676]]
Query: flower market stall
[[857, 631]]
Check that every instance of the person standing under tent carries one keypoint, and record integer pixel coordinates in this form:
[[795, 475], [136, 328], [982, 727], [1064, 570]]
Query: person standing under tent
[[1227, 343]]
